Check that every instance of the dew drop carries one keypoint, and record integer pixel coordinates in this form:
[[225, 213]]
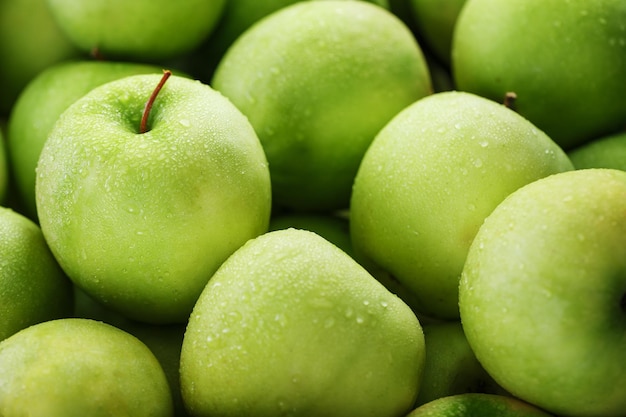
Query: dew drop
[[184, 122]]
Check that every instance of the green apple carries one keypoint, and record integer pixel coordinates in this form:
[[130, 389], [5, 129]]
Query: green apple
[[435, 21], [333, 227], [291, 325], [4, 168], [78, 367], [604, 152], [317, 80], [141, 215], [30, 41], [139, 29], [41, 103], [429, 179], [542, 293], [33, 288], [451, 367], [478, 405], [568, 74]]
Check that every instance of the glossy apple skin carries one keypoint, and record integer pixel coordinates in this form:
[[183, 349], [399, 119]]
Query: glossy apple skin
[[141, 30], [317, 83], [141, 221], [78, 367], [33, 288], [429, 179], [41, 103], [477, 405], [542, 293], [291, 325], [568, 76]]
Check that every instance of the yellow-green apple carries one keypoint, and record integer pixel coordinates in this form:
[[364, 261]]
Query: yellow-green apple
[[429, 179], [41, 103], [568, 73], [291, 325], [33, 288], [542, 293], [74, 367], [140, 206], [137, 30], [603, 152], [478, 405], [30, 41], [317, 80]]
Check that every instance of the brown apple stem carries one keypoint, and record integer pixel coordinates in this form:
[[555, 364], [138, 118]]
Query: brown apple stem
[[509, 100], [143, 127]]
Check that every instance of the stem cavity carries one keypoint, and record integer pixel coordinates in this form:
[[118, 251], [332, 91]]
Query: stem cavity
[[143, 127]]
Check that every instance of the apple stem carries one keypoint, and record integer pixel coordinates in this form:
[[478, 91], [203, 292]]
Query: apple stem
[[509, 100], [143, 127]]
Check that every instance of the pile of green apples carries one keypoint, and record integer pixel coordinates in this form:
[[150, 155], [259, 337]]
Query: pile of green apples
[[350, 208]]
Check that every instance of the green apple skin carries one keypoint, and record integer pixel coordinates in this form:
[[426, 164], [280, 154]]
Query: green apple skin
[[429, 179], [604, 152], [435, 21], [542, 293], [78, 367], [451, 367], [568, 77], [317, 83], [478, 405], [41, 103], [291, 325], [141, 30], [140, 221], [4, 168], [30, 41], [33, 288]]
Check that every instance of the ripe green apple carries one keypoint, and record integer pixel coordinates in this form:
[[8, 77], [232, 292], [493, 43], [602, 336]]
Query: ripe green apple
[[317, 80], [139, 29], [451, 367], [30, 41], [604, 152], [568, 74], [78, 367], [429, 179], [435, 21], [140, 221], [33, 288], [478, 405], [41, 103], [542, 293], [291, 325]]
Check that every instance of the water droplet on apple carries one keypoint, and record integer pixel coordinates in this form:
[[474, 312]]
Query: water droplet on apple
[[384, 304], [359, 320], [478, 162], [184, 122], [484, 143]]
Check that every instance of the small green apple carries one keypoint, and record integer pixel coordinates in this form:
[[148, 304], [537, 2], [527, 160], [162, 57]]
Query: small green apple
[[291, 325], [317, 80], [542, 293], [33, 288], [435, 21], [30, 41], [78, 367], [429, 179], [478, 405], [140, 215], [568, 74], [604, 152], [451, 367], [41, 103], [139, 29]]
